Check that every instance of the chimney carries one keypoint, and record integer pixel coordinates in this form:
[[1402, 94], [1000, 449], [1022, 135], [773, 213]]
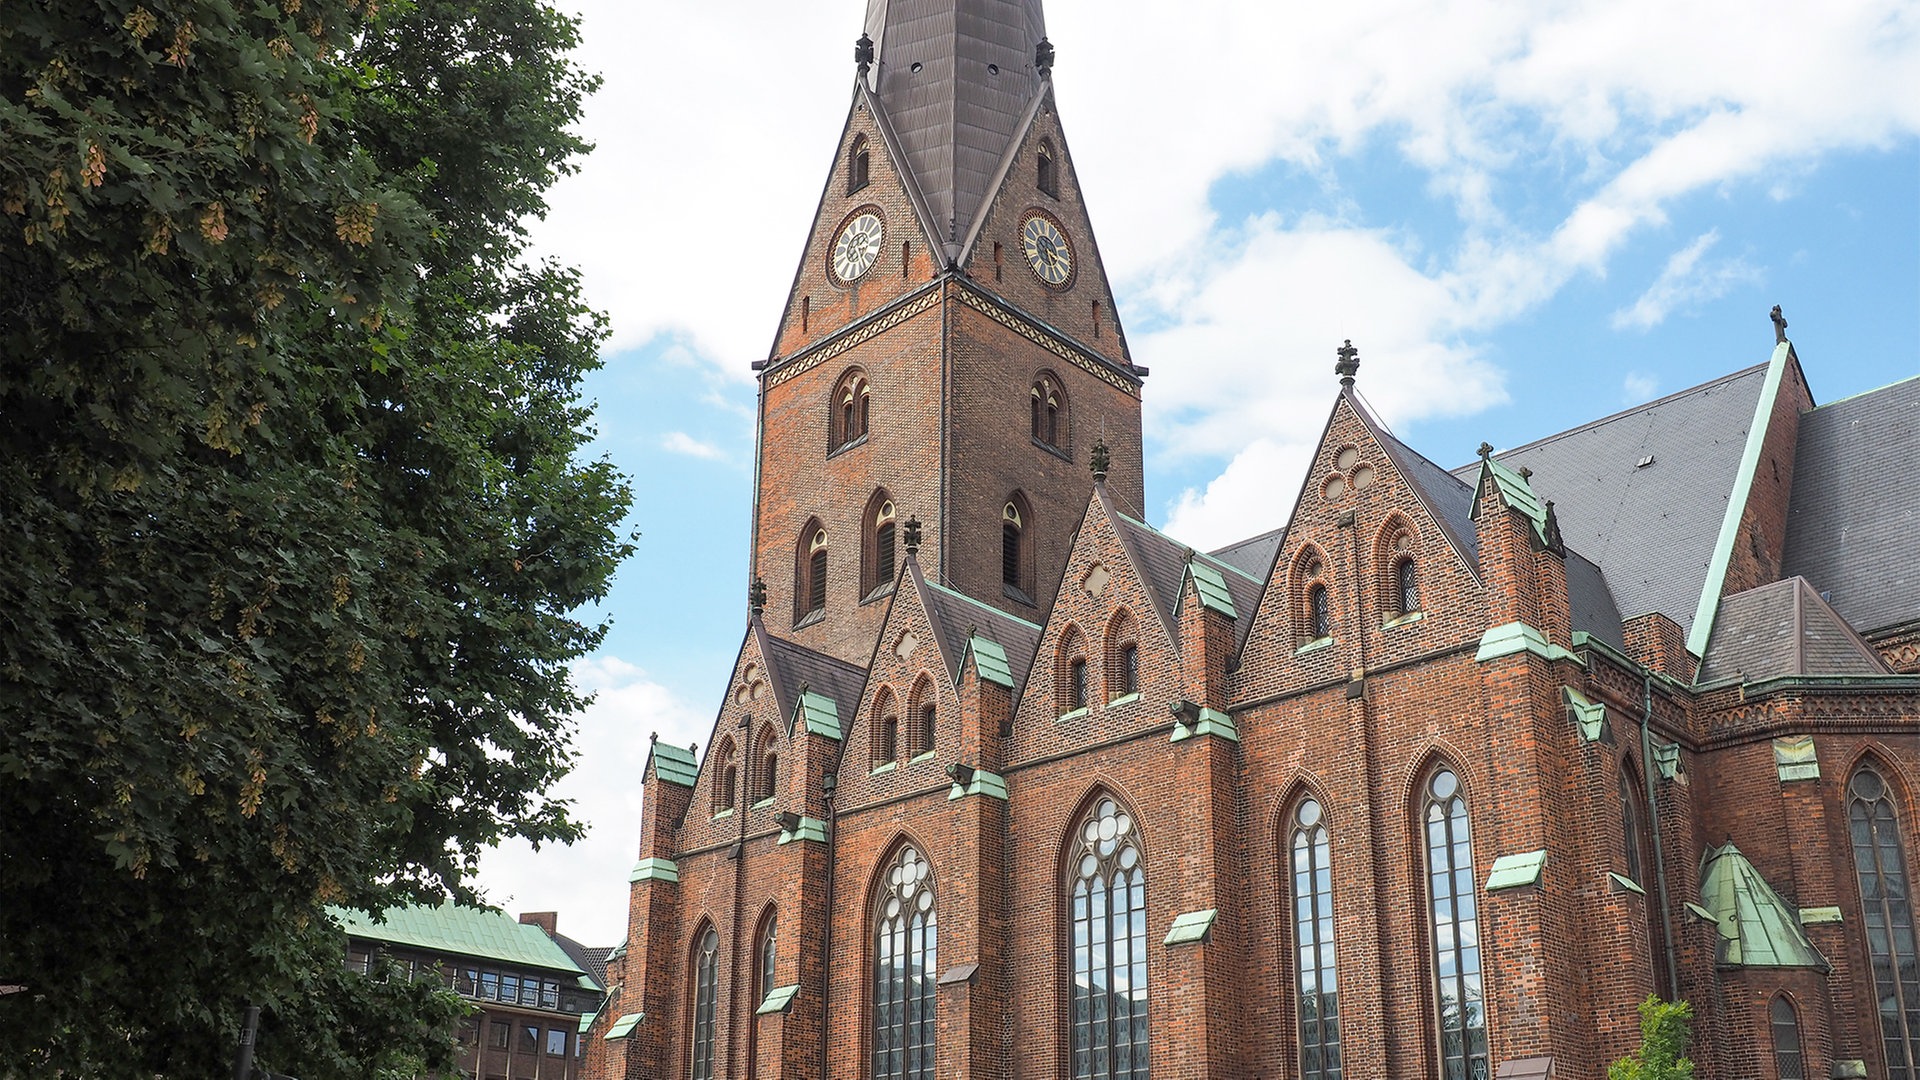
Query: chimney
[[545, 920]]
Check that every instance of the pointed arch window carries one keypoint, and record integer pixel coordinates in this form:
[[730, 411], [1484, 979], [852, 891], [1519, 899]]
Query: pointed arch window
[[1312, 603], [1789, 1063], [1319, 612], [769, 769], [886, 732], [768, 953], [1315, 978], [1070, 671], [1886, 901], [859, 162], [851, 410], [1047, 169], [725, 778], [880, 545], [706, 989], [1454, 929], [1123, 656], [810, 584], [1016, 555], [1049, 412], [904, 970], [1107, 901], [1631, 834]]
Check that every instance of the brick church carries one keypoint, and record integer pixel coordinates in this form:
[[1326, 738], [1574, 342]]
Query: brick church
[[1438, 781]]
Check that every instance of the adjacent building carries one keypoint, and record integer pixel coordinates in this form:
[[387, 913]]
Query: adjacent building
[[1439, 780]]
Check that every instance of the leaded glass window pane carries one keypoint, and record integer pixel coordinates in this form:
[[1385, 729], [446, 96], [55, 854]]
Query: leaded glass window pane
[[1455, 926], [706, 988], [1886, 904], [904, 971], [1314, 975], [1107, 893], [1788, 1062], [768, 952]]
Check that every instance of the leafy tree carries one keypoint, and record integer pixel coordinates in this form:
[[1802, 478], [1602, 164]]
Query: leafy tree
[[1663, 1043], [293, 513]]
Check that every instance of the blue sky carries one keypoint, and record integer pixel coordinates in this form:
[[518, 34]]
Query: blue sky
[[1525, 217]]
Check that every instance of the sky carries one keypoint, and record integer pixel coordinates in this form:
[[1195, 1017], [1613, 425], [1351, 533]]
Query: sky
[[1525, 216]]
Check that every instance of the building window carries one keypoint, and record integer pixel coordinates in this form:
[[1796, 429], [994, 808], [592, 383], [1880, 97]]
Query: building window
[[811, 579], [1319, 612], [769, 951], [1314, 974], [769, 765], [878, 553], [904, 971], [1070, 671], [1077, 683], [1887, 906], [1108, 913], [1788, 1062], [858, 163], [706, 989], [556, 1042], [723, 787], [928, 725], [497, 1033], [1312, 603], [1048, 170], [1455, 928], [1016, 549], [886, 732], [529, 1038], [1123, 656], [1406, 586], [1049, 409], [1630, 831], [852, 410]]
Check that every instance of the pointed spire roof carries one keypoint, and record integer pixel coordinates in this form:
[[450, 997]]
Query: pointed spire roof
[[1784, 629], [957, 82]]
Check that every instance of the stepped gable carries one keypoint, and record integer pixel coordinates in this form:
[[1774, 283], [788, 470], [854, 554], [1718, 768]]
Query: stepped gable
[[1255, 555], [955, 616], [1784, 629], [956, 82], [1643, 493], [792, 667], [1162, 562], [1853, 526]]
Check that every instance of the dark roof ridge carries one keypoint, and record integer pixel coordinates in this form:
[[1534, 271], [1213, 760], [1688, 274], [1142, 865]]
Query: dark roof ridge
[[1404, 458], [1624, 413], [1195, 552], [981, 604], [1860, 394]]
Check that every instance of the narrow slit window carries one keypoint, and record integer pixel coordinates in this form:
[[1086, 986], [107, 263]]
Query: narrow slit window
[[1453, 927], [1788, 1061], [859, 163], [1011, 563], [1047, 170], [817, 573]]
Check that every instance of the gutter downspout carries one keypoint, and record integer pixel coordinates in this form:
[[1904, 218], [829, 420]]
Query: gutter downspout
[[831, 781], [1649, 770]]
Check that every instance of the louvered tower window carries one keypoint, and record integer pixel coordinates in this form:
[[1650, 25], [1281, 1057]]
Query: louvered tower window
[[1011, 563], [1107, 897], [1454, 927], [1047, 171], [883, 546], [817, 572], [904, 971], [706, 988], [1315, 979], [1886, 902]]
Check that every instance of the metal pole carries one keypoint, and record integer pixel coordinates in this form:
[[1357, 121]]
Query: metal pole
[[243, 1057]]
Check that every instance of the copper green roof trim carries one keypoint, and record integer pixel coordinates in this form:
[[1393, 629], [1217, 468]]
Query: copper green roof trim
[[808, 829], [1518, 637], [779, 1000], [450, 930], [675, 764], [1813, 916], [1191, 927], [1795, 758], [586, 1022], [990, 660], [1211, 722], [655, 870], [1211, 588], [1701, 913], [821, 715], [1666, 759], [1702, 627], [983, 783], [1757, 927], [1513, 871], [1590, 715], [624, 1026], [1622, 883], [1849, 1069], [1519, 495]]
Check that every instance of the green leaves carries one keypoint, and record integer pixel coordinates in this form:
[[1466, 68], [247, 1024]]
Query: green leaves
[[1664, 1032], [291, 521]]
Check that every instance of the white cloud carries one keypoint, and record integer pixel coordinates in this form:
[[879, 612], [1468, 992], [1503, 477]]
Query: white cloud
[[1684, 283], [679, 442], [1253, 495], [1637, 387], [586, 882]]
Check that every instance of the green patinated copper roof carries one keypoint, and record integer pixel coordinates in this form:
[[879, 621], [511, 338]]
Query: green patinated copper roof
[[453, 931], [1192, 926], [675, 764], [1212, 588], [990, 660], [1211, 722], [821, 715], [1757, 927], [1519, 495], [779, 999], [1513, 871], [624, 1026], [1795, 758], [1590, 715]]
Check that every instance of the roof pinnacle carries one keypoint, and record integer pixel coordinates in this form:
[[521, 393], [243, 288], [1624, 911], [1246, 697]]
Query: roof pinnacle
[[863, 53], [1779, 326], [757, 596], [1348, 364], [912, 537], [1102, 460]]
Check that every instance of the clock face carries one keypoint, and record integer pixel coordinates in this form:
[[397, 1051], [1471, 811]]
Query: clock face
[[859, 245], [1047, 250]]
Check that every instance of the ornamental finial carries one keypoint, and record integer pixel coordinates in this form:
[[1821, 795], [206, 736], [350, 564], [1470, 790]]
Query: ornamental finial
[[1779, 326], [863, 53], [757, 596], [912, 537], [1486, 450], [1043, 56], [1102, 460], [1348, 364]]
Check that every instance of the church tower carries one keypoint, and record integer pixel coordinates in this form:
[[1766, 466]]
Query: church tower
[[949, 352]]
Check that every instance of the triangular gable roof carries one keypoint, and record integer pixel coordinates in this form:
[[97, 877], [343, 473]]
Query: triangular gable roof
[[1757, 927], [957, 618], [793, 669], [955, 79], [1780, 629], [1853, 529], [1644, 492], [1163, 563]]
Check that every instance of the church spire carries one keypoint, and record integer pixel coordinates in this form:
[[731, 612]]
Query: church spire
[[957, 80]]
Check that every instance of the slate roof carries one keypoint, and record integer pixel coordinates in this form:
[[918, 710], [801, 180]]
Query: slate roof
[[1651, 529], [451, 930], [954, 614], [590, 960], [1854, 525], [957, 114], [1591, 602], [1255, 554], [792, 667], [1783, 628], [1447, 497], [1162, 560]]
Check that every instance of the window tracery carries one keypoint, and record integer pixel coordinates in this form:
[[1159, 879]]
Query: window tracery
[[1315, 979], [1886, 901], [706, 985], [1106, 891], [1453, 927], [904, 970]]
